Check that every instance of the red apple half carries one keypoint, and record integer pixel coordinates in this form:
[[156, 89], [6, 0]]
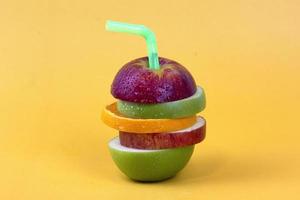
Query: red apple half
[[136, 82], [181, 138]]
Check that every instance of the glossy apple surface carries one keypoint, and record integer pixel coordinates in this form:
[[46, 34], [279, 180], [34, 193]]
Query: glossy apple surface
[[136, 82], [149, 165], [169, 110], [181, 138]]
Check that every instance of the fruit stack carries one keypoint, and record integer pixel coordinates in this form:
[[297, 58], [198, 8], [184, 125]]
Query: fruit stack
[[155, 115]]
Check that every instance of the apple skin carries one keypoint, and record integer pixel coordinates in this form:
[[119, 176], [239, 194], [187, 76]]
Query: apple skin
[[136, 82], [170, 110], [149, 165], [181, 138]]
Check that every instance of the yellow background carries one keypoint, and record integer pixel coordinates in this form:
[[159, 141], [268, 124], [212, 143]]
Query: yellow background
[[56, 66]]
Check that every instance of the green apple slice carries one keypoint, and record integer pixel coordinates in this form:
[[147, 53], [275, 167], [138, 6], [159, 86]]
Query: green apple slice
[[149, 165], [169, 110]]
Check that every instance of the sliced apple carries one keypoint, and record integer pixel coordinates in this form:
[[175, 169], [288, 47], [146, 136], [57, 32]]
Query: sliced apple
[[175, 109], [181, 138], [149, 165], [136, 82]]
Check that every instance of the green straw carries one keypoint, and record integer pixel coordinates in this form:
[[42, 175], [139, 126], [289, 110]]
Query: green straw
[[142, 31]]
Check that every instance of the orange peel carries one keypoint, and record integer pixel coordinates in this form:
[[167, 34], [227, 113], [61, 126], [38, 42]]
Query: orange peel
[[113, 118]]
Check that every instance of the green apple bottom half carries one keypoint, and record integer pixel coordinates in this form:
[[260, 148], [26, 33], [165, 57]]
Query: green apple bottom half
[[155, 88]]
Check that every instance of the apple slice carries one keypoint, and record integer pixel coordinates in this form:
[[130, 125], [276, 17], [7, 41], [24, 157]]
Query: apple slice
[[181, 138], [136, 82], [175, 109], [149, 165]]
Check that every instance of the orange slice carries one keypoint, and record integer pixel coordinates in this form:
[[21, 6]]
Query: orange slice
[[114, 119]]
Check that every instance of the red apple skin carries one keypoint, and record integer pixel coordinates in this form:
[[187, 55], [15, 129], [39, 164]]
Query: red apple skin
[[152, 141], [136, 82]]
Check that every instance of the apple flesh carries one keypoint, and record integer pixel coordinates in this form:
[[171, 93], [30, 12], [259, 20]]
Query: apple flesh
[[181, 138], [136, 82], [149, 165], [169, 110]]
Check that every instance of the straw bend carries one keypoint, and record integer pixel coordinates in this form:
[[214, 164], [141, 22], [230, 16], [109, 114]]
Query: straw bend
[[143, 31]]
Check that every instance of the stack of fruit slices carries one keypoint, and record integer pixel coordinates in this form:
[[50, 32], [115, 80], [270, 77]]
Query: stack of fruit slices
[[155, 115], [156, 138]]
